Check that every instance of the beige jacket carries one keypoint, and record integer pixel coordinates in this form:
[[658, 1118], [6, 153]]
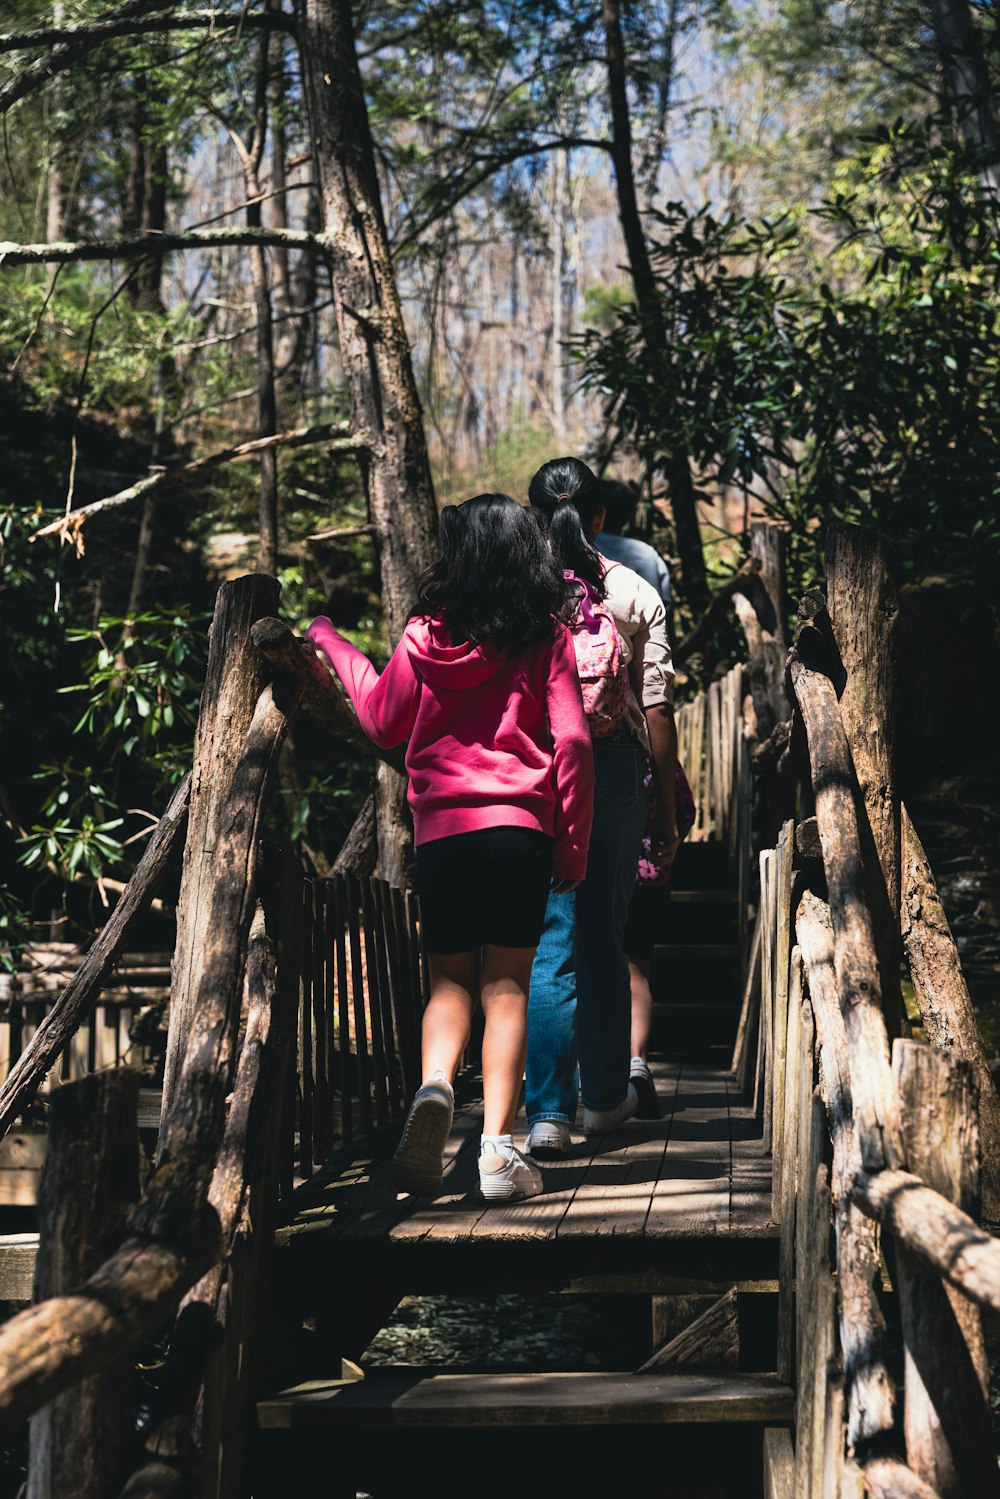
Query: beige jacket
[[642, 624]]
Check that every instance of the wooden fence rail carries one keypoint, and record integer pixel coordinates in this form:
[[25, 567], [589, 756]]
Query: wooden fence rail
[[876, 1143]]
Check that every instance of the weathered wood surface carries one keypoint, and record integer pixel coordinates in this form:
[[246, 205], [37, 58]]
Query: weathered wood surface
[[193, 1124], [943, 997], [710, 1343], [81, 1442], [870, 1388], [505, 1400], [321, 696], [51, 1347], [234, 680], [940, 1234], [946, 1414], [875, 1110], [77, 999], [200, 1427], [695, 1177], [864, 612], [779, 1464], [244, 1192], [888, 1478]]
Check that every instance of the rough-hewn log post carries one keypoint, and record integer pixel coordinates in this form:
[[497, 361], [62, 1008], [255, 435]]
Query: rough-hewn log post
[[864, 610], [82, 1442], [870, 1388], [230, 1298], [945, 1413], [876, 1115], [234, 679], [943, 997], [191, 1130], [76, 1000], [374, 350]]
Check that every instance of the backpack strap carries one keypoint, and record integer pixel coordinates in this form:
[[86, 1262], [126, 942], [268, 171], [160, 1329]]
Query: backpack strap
[[588, 598]]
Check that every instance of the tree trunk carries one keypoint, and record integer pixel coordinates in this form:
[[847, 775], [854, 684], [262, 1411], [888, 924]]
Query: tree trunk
[[683, 501], [267, 413], [557, 246], [54, 186], [967, 84], [374, 350]]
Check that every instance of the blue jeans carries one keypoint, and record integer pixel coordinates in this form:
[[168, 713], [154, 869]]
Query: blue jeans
[[580, 1003]]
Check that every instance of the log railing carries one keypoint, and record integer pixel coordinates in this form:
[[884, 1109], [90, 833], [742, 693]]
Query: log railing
[[876, 1142]]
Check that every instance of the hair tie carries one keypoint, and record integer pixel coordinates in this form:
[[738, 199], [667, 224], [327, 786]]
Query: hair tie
[[561, 497]]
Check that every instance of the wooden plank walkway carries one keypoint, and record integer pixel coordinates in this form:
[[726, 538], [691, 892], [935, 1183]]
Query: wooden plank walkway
[[653, 1195]]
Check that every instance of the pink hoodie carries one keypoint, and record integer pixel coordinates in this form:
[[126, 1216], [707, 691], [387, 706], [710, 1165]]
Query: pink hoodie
[[493, 741]]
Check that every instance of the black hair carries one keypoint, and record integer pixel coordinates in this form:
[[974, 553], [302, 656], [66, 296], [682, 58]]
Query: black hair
[[496, 580], [568, 494], [619, 501]]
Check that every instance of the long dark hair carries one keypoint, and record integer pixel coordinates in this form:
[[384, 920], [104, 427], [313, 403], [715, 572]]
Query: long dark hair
[[496, 580], [569, 495]]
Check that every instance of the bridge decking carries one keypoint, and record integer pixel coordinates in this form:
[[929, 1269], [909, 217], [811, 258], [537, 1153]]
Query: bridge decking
[[695, 1182]]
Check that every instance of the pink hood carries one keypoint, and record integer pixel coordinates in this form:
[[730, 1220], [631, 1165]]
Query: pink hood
[[494, 741]]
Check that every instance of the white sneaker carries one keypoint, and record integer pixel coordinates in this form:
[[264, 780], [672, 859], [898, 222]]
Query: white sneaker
[[603, 1121], [549, 1137], [419, 1160], [507, 1175]]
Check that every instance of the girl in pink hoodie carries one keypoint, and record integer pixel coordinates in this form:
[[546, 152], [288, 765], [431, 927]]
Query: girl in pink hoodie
[[484, 686]]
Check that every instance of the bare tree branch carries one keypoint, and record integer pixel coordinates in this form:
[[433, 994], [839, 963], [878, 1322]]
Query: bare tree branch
[[488, 166], [135, 18], [129, 246], [70, 526]]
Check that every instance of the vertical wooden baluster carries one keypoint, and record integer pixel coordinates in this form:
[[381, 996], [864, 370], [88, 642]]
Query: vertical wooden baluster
[[358, 996], [330, 1007], [374, 989], [342, 909], [288, 977], [388, 985], [321, 1095], [408, 1012], [305, 1031]]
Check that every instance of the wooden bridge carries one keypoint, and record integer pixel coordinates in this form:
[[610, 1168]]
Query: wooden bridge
[[803, 1220]]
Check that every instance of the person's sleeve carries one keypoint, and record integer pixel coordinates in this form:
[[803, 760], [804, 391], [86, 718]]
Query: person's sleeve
[[387, 704], [573, 762], [663, 577], [652, 662]]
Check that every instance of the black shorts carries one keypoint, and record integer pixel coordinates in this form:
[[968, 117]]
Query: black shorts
[[645, 918], [490, 886]]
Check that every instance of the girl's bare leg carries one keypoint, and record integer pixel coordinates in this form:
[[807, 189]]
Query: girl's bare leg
[[642, 1005], [506, 974], [447, 1021]]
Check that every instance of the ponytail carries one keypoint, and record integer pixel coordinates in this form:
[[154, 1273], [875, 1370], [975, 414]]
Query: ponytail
[[568, 494]]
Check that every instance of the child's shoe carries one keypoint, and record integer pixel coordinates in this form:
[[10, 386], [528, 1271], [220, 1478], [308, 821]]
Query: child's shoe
[[505, 1175], [603, 1121], [419, 1160], [549, 1137], [641, 1078]]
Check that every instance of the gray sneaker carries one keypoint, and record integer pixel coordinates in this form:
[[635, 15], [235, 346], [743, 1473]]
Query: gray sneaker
[[419, 1160], [603, 1121]]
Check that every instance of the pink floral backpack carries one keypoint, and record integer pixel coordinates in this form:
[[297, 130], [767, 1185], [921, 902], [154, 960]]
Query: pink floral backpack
[[600, 660]]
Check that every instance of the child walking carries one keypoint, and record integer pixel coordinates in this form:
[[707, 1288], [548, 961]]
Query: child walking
[[484, 686]]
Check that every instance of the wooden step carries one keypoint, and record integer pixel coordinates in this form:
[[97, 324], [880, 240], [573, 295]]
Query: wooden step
[[411, 1401], [710, 950], [706, 897]]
